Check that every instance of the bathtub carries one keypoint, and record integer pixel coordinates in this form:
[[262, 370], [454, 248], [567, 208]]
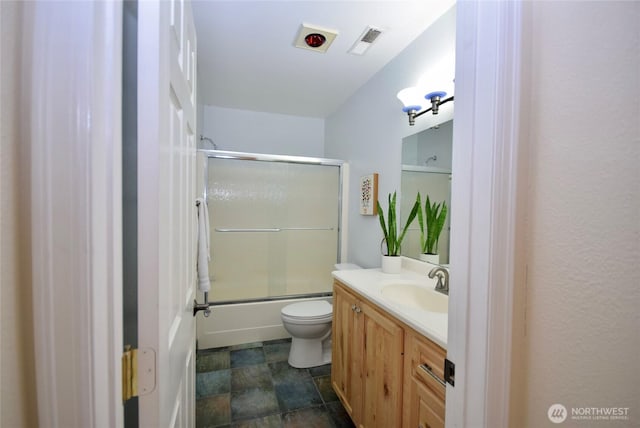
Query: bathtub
[[238, 323]]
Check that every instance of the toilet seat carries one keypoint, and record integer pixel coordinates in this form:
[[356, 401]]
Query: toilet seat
[[313, 311]]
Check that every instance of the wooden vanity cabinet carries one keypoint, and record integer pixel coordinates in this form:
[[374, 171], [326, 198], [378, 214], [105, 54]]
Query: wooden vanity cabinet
[[366, 371], [385, 373], [347, 342], [424, 405]]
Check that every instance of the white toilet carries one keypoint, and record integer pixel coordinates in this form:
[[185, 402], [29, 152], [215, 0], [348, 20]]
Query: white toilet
[[309, 324]]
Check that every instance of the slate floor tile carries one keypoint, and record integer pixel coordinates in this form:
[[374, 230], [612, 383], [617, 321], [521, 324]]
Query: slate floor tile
[[323, 383], [297, 395], [256, 376], [314, 417], [339, 415], [281, 372], [213, 411], [212, 383], [277, 351], [323, 370], [271, 421], [253, 403], [246, 357], [210, 361]]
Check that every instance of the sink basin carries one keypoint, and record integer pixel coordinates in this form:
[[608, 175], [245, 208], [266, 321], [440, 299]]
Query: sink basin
[[417, 297]]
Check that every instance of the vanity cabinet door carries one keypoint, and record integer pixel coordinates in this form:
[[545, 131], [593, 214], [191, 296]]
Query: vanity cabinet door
[[382, 369], [346, 350], [367, 361]]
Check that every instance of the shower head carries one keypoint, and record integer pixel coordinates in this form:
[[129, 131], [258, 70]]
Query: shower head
[[433, 158], [203, 138]]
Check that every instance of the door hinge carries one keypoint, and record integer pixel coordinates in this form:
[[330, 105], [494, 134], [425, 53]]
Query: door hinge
[[138, 372], [129, 373], [449, 372]]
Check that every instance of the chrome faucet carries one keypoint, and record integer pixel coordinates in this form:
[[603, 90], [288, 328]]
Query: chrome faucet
[[443, 279]]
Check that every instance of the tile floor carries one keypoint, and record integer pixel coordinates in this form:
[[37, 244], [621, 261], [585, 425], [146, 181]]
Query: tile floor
[[252, 385]]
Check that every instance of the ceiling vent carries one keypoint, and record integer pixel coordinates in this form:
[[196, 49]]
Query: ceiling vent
[[315, 38], [365, 41]]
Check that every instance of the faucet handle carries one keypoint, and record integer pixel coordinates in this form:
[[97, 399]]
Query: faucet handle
[[439, 283], [442, 283]]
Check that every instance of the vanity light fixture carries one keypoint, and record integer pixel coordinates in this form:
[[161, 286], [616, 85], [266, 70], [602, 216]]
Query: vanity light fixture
[[413, 99]]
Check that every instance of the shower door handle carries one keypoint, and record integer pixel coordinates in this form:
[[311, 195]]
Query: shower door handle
[[248, 230], [271, 229]]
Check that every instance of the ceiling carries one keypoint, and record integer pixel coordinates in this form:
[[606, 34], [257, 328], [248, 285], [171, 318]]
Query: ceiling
[[247, 59]]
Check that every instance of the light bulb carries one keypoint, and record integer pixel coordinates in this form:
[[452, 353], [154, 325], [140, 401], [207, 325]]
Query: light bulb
[[412, 98]]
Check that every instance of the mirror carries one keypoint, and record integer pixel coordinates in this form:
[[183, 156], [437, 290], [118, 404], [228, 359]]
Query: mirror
[[426, 168]]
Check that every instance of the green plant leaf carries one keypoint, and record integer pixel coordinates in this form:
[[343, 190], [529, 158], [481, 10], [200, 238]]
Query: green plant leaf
[[436, 215], [440, 220], [393, 227], [390, 226], [412, 215], [421, 224], [382, 223]]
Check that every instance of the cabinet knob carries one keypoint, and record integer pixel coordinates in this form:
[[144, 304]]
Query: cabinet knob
[[358, 310], [353, 307]]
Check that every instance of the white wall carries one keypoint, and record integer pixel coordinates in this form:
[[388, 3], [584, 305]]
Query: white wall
[[582, 340], [368, 129], [258, 132], [18, 389]]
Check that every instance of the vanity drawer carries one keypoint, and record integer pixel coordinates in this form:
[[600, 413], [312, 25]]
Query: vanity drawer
[[425, 356], [424, 404]]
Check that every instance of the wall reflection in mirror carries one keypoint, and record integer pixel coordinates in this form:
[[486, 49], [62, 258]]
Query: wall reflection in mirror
[[426, 168]]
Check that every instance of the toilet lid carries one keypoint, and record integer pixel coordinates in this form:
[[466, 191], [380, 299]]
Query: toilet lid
[[312, 309]]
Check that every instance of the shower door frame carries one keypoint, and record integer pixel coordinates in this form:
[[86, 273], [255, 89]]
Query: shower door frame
[[340, 164]]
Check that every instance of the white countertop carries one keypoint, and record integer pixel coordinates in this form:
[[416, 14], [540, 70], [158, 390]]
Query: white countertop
[[369, 283]]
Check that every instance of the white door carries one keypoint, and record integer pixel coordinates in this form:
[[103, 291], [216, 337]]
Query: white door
[[166, 212]]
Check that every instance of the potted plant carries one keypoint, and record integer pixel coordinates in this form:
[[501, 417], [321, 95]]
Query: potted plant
[[391, 261], [435, 214]]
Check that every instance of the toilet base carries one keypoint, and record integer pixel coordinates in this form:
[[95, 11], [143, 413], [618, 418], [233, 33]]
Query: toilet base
[[307, 353]]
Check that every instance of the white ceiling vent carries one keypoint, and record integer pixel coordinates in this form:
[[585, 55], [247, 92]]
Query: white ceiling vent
[[365, 41], [315, 38]]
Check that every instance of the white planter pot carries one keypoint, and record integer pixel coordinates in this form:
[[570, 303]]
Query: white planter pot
[[391, 264], [430, 258]]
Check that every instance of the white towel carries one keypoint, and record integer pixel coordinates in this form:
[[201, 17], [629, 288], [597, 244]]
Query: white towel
[[204, 284]]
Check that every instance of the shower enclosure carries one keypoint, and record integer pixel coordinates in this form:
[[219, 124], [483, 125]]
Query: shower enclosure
[[275, 236]]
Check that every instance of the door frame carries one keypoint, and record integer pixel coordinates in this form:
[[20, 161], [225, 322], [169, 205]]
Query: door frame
[[489, 181], [71, 121]]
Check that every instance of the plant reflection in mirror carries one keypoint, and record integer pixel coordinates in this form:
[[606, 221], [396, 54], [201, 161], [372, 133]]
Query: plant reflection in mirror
[[435, 214]]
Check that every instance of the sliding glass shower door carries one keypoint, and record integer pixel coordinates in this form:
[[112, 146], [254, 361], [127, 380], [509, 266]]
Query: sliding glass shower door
[[274, 228]]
